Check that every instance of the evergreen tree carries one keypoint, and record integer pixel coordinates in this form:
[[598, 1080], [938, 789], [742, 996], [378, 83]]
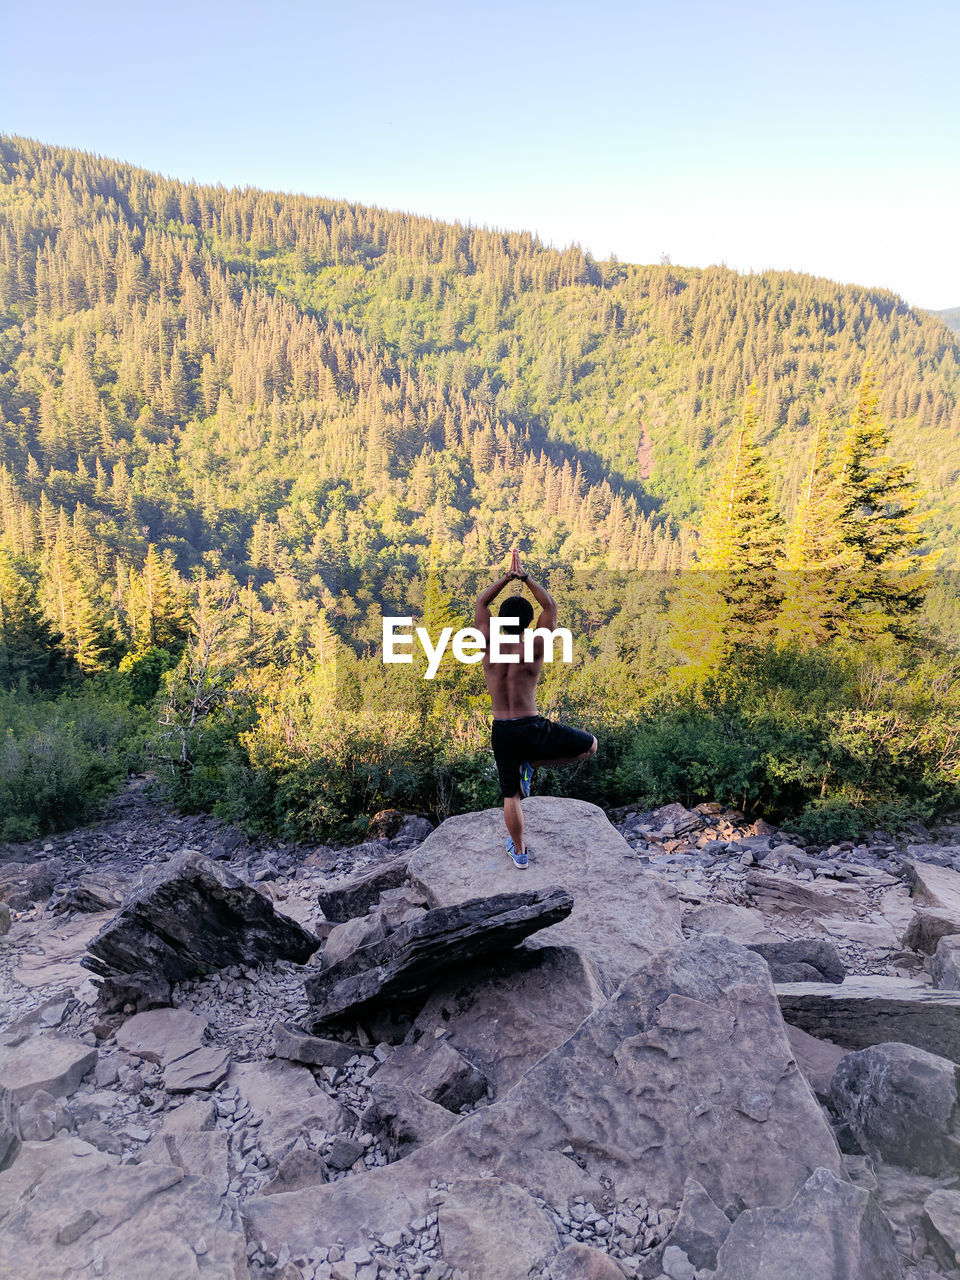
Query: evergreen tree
[[29, 647], [879, 522]]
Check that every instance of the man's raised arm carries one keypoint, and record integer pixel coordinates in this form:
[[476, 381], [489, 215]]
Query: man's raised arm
[[548, 606], [481, 613]]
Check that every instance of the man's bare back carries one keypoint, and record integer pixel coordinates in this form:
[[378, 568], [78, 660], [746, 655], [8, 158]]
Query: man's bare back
[[522, 739]]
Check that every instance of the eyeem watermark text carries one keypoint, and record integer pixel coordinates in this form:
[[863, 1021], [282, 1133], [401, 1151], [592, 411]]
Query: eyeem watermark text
[[469, 645]]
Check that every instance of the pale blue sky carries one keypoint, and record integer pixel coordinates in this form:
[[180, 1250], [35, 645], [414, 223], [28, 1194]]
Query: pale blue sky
[[820, 137]]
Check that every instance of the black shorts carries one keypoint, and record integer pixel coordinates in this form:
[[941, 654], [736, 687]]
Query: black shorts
[[532, 738]]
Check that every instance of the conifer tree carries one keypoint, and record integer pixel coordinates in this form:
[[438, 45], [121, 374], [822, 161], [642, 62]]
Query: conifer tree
[[879, 522], [732, 597], [29, 647], [818, 576]]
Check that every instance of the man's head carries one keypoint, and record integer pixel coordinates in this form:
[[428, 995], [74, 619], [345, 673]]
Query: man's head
[[517, 614]]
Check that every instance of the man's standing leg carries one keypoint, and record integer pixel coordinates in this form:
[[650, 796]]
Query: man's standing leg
[[513, 817]]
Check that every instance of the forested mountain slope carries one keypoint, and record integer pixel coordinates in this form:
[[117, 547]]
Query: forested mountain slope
[[285, 387]]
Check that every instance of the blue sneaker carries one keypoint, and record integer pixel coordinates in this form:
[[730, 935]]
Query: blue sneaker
[[519, 859], [526, 779]]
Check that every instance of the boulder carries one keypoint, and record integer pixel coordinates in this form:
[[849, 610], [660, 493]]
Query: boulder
[[874, 1009], [699, 1231], [934, 886], [575, 847], [191, 917], [50, 1062], [344, 939], [927, 926], [436, 1071], [297, 1045], [830, 1229], [288, 1102], [71, 1210], [24, 883], [341, 901], [494, 1229], [901, 1105], [777, 893], [401, 1119], [945, 964], [942, 1213], [409, 961], [300, 1167], [506, 1013], [5, 919], [41, 1116], [818, 956], [89, 894], [685, 1072]]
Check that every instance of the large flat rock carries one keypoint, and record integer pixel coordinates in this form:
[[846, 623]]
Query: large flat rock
[[685, 1072], [935, 886], [71, 1210], [872, 1009], [831, 1230], [622, 914], [50, 1062], [288, 1102]]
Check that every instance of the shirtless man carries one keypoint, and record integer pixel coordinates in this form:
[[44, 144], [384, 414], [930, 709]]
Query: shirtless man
[[523, 740]]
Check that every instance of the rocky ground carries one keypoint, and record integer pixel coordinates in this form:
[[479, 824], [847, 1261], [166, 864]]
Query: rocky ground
[[204, 1125]]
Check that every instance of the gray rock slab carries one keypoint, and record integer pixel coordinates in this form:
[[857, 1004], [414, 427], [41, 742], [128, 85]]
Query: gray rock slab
[[816, 1058], [193, 1115], [776, 893], [945, 964], [818, 954], [506, 1014], [873, 1009], [494, 1229], [699, 1231], [436, 1071], [942, 1213], [344, 939], [341, 901], [927, 926], [204, 1153], [685, 1072], [71, 1210], [162, 1035], [830, 1229], [934, 886], [24, 883], [202, 1068], [297, 1045], [402, 1119], [582, 1262], [50, 1062], [901, 1105], [289, 1103], [190, 917], [301, 1167], [576, 848], [411, 960]]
